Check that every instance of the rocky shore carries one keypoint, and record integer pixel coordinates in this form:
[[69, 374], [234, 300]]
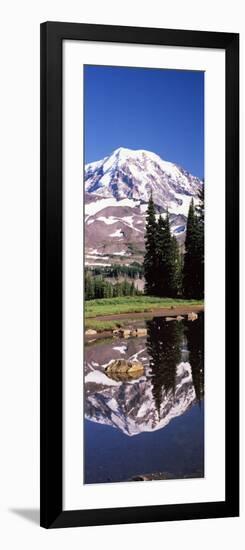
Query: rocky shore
[[127, 331]]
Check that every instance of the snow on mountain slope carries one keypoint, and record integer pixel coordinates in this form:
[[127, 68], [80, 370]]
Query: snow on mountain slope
[[98, 205], [135, 174], [117, 190]]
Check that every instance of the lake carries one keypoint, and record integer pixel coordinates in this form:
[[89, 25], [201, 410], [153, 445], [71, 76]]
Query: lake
[[150, 427]]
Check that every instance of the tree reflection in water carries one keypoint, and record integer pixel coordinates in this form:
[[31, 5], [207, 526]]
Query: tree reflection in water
[[169, 343], [163, 346], [195, 342]]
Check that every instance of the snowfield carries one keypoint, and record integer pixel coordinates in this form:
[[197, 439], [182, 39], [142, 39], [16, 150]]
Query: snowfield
[[94, 207]]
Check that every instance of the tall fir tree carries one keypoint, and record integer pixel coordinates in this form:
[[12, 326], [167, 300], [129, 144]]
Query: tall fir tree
[[200, 217], [150, 257], [172, 262], [176, 287], [188, 257], [200, 206], [161, 248], [194, 256], [168, 263]]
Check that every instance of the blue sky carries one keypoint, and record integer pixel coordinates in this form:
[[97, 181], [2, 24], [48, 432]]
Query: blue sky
[[154, 109]]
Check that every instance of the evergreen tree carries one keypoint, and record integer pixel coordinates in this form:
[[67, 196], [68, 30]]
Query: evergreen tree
[[97, 287], [200, 206], [168, 262], [188, 258], [89, 287], [194, 255], [172, 262], [161, 249], [200, 218], [132, 289], [150, 250], [180, 271], [176, 281]]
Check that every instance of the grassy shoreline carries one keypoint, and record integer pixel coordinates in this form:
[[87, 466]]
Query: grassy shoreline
[[110, 313]]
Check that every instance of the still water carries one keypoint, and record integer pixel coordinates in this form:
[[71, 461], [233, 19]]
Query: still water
[[150, 427]]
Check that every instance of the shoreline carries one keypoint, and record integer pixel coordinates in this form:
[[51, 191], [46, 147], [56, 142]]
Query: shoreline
[[131, 317]]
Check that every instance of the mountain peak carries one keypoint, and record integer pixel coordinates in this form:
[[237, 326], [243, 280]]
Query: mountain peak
[[135, 174], [122, 151]]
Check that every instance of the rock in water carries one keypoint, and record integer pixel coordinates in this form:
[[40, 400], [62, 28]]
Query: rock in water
[[124, 332], [90, 332], [121, 369], [139, 332], [192, 316]]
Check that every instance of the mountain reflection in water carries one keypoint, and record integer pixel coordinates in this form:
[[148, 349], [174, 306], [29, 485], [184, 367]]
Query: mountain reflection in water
[[163, 407]]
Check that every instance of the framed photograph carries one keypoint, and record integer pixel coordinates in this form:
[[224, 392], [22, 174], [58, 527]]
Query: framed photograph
[[139, 274]]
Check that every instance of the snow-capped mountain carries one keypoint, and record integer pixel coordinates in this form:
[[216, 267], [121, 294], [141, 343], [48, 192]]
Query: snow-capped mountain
[[136, 174], [117, 190]]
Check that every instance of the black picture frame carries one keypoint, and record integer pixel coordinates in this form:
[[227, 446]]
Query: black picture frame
[[52, 35]]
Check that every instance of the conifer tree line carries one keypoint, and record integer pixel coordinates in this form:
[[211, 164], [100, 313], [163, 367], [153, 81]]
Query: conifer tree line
[[96, 287], [168, 273], [132, 271]]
